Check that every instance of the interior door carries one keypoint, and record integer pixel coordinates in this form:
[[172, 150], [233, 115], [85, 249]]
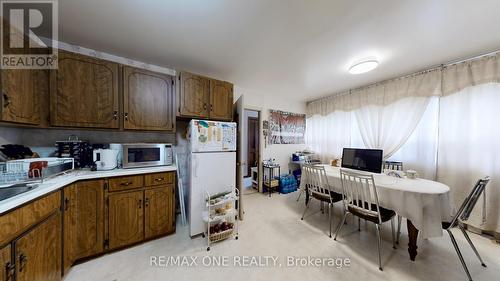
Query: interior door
[[253, 143], [238, 117], [148, 100], [38, 253], [158, 217], [126, 218]]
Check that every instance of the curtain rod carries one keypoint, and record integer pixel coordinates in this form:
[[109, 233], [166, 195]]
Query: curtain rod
[[432, 68]]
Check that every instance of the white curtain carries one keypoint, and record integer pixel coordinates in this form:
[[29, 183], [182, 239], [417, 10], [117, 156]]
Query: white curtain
[[419, 153], [389, 127], [469, 148]]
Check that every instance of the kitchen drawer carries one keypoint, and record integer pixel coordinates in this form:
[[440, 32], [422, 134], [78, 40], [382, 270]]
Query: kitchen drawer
[[159, 178], [125, 183], [21, 219]]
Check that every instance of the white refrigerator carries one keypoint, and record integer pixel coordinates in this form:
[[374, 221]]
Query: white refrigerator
[[211, 166]]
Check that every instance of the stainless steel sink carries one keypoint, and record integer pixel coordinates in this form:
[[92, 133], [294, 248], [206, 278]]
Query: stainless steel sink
[[16, 189]]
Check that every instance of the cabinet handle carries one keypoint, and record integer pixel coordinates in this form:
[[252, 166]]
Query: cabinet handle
[[126, 116], [125, 183], [66, 204], [159, 179], [9, 271], [140, 204], [6, 99], [22, 262], [146, 202], [204, 106], [211, 107], [115, 115]]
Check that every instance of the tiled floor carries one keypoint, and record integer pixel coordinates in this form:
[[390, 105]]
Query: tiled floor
[[272, 227]]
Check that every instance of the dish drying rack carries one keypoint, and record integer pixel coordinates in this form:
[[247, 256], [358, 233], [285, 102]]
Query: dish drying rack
[[34, 169], [220, 211]]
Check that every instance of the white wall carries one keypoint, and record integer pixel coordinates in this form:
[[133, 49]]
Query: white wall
[[264, 102]]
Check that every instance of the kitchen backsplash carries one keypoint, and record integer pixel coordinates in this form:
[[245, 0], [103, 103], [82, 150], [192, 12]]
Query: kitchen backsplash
[[33, 137]]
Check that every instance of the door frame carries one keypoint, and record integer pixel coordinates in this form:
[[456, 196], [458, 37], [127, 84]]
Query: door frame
[[248, 141], [259, 110]]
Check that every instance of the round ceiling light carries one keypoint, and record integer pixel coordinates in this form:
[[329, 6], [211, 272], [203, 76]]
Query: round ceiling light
[[363, 66]]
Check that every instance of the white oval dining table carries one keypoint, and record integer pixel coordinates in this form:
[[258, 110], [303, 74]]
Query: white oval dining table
[[424, 203]]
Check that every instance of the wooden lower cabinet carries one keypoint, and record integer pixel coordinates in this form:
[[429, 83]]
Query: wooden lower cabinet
[[83, 221], [126, 218], [158, 219], [38, 253], [6, 263]]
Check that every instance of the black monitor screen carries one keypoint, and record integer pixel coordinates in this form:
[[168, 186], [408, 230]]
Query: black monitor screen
[[369, 160]]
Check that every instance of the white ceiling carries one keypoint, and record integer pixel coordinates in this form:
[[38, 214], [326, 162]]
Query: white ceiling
[[297, 49]]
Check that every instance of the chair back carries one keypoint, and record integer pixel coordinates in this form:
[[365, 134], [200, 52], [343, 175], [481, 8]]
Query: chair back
[[360, 192], [470, 202], [393, 165], [312, 159], [316, 179]]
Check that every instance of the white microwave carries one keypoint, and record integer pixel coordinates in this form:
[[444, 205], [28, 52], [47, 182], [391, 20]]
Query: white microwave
[[137, 155]]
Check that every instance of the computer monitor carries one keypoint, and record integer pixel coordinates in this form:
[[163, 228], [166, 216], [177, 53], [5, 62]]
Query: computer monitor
[[369, 160]]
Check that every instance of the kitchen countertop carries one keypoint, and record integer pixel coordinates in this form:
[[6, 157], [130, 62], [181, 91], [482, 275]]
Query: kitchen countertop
[[65, 179]]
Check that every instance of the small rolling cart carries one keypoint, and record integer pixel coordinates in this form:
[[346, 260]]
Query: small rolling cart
[[271, 179], [221, 217]]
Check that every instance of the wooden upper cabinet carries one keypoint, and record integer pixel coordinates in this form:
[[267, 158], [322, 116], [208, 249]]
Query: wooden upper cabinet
[[194, 95], [24, 96], [38, 253], [148, 100], [126, 218], [6, 264], [221, 100], [84, 92], [158, 216]]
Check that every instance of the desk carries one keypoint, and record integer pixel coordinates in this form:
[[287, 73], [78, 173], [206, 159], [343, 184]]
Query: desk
[[424, 203]]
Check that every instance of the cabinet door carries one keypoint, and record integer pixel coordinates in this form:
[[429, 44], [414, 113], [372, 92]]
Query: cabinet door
[[24, 93], [126, 216], [38, 253], [194, 95], [148, 100], [5, 264], [221, 100], [89, 218], [84, 92], [70, 227], [159, 209]]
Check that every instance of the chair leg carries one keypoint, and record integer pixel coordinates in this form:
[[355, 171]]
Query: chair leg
[[393, 233], [330, 217], [339, 228], [322, 207], [379, 241], [399, 229], [472, 245], [454, 242], [305, 209], [300, 193], [359, 224]]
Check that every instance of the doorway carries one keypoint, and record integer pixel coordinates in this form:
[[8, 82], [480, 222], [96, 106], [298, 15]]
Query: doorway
[[251, 150]]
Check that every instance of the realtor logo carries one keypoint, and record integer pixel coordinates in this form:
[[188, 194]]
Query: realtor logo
[[29, 34]]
